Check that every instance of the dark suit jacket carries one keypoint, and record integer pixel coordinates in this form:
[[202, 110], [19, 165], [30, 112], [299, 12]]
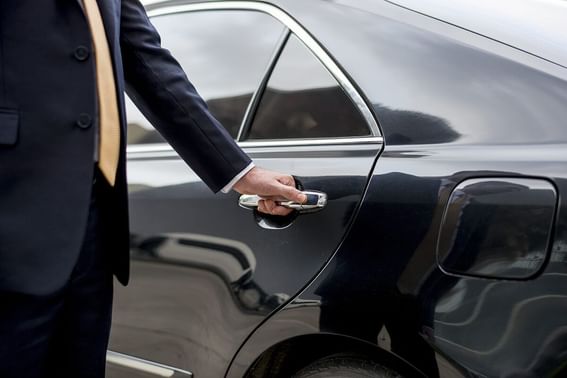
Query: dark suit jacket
[[47, 113]]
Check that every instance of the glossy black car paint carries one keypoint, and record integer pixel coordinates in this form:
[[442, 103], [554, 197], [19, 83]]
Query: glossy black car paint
[[452, 106]]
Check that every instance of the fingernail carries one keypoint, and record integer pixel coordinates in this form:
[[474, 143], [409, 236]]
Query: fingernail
[[303, 198]]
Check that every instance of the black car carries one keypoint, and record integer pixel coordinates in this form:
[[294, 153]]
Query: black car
[[432, 137]]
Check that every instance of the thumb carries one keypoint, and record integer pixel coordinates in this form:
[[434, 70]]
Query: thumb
[[292, 194]]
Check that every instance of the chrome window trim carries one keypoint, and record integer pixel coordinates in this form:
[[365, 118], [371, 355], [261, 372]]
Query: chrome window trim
[[148, 147], [148, 367], [164, 150], [261, 88], [311, 142], [305, 38]]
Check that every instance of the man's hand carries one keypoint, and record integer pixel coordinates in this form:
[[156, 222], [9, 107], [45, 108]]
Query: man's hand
[[272, 187]]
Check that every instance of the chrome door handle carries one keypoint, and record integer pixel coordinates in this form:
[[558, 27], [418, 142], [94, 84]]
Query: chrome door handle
[[315, 202]]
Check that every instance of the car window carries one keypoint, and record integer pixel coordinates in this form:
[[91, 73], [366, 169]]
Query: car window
[[303, 100], [224, 53]]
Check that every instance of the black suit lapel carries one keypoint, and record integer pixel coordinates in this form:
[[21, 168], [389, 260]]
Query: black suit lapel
[[110, 12]]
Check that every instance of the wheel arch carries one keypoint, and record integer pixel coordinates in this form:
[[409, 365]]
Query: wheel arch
[[290, 355]]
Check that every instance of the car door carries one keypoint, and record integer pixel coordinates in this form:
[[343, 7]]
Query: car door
[[206, 271]]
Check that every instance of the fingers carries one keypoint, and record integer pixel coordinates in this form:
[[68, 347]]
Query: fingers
[[266, 206], [272, 208], [284, 189]]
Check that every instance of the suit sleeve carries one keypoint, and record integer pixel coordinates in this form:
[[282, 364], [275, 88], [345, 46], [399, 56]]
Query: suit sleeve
[[158, 86]]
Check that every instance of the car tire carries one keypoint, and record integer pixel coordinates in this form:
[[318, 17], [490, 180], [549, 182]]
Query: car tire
[[345, 366]]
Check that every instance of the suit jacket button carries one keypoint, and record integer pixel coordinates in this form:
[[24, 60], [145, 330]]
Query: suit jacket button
[[84, 121], [81, 53]]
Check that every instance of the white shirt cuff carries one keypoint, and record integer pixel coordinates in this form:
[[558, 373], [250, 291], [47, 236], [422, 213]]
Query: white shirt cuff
[[229, 186]]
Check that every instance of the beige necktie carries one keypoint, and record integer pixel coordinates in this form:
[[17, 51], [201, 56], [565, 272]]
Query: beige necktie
[[109, 121]]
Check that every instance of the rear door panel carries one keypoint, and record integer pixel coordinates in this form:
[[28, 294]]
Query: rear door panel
[[205, 274]]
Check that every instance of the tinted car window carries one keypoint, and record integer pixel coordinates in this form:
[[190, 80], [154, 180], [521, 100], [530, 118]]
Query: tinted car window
[[303, 100], [225, 62]]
